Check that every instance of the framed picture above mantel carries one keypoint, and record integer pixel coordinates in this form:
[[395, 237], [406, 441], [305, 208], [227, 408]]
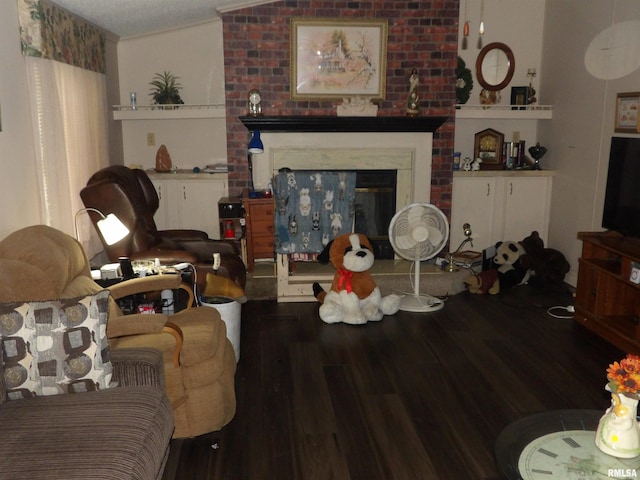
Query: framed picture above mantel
[[338, 58]]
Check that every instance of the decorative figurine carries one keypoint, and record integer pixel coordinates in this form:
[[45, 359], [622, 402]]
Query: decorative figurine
[[412, 101], [537, 153]]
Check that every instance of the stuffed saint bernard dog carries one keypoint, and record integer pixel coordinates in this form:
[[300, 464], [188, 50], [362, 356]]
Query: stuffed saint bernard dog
[[354, 296]]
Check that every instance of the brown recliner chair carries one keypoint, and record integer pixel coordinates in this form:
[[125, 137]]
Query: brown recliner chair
[[131, 196]]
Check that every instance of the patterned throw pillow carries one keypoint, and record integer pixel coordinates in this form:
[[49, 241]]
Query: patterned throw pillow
[[55, 347]]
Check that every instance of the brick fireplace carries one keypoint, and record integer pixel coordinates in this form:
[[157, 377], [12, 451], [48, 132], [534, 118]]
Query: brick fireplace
[[422, 35], [401, 144]]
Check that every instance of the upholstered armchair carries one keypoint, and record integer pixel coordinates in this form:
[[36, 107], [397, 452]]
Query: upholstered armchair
[[41, 263], [199, 360], [129, 194]]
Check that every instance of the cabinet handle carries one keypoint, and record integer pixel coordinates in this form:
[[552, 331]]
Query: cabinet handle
[[159, 193], [488, 189], [184, 192], [510, 188]]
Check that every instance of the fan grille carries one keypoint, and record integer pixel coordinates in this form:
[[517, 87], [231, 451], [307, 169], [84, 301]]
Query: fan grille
[[419, 231]]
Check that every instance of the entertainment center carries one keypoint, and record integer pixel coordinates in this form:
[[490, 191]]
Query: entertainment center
[[608, 287]]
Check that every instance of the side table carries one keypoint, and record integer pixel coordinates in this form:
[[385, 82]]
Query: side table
[[260, 217], [559, 444]]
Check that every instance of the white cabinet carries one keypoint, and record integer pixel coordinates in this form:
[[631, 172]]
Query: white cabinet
[[500, 206], [189, 201]]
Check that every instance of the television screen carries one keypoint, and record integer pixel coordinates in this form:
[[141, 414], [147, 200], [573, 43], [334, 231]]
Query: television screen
[[622, 195]]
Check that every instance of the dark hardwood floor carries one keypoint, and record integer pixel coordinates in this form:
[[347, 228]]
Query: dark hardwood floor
[[415, 396]]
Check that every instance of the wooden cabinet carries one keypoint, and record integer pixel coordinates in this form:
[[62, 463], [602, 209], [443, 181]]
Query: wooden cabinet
[[500, 206], [189, 201], [607, 292], [259, 216]]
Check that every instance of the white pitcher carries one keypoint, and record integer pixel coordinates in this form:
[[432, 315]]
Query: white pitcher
[[618, 431]]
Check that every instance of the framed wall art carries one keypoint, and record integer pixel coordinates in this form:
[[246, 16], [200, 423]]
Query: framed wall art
[[519, 97], [334, 58], [488, 148], [627, 105]]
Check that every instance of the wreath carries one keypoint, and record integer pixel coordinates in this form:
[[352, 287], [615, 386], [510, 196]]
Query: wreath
[[464, 82]]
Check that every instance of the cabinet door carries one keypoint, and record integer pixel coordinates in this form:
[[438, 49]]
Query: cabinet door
[[526, 207], [162, 215], [198, 200], [474, 202]]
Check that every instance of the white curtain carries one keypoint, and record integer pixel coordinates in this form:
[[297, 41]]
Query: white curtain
[[69, 110]]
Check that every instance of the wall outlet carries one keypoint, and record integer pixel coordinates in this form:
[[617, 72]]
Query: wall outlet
[[151, 139], [634, 277]]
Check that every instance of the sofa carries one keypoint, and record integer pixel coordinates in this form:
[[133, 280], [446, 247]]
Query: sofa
[[70, 406]]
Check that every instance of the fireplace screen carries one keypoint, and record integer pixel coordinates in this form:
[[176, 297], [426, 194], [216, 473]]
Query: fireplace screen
[[375, 205]]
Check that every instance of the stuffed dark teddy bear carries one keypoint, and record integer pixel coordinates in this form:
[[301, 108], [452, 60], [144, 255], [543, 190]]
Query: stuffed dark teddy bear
[[548, 266]]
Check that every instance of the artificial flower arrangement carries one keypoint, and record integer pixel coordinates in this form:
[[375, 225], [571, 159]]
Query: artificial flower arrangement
[[624, 376]]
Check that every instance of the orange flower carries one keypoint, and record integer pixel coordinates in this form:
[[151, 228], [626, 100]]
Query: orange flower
[[631, 364], [624, 376], [615, 370]]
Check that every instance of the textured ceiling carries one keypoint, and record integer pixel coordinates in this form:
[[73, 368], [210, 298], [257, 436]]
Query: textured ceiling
[[126, 18]]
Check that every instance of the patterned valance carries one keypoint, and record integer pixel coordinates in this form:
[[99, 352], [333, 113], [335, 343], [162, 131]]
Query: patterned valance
[[48, 31]]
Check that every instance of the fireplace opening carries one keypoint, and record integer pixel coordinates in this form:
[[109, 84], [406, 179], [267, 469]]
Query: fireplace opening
[[375, 205]]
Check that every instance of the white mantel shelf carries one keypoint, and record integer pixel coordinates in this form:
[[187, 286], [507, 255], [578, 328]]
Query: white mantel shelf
[[530, 112], [167, 112]]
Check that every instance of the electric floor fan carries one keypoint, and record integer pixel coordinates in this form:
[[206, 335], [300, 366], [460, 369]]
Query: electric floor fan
[[418, 232]]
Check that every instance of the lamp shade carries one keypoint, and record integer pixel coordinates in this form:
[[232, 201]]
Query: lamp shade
[[255, 144], [111, 227]]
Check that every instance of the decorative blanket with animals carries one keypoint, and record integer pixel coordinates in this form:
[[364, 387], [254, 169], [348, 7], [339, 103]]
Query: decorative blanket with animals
[[312, 208]]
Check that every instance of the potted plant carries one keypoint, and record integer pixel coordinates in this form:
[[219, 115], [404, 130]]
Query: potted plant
[[166, 89]]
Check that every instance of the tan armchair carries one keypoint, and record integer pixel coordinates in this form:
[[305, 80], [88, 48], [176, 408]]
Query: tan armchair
[[199, 360], [42, 263]]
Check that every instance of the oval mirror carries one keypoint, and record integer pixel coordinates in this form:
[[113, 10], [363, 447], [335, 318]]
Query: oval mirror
[[495, 66]]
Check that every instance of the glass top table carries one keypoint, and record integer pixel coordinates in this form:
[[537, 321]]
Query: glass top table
[[559, 444]]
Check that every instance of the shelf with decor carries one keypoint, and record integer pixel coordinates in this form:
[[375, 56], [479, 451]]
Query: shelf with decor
[[167, 112], [529, 112]]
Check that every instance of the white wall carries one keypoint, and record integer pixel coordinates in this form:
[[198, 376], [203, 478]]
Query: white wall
[[19, 193], [519, 25], [580, 134], [196, 55]]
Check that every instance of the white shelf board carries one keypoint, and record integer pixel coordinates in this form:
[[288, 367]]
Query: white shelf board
[[530, 112], [155, 112]]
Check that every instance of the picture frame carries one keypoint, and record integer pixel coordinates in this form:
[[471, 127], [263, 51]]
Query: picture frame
[[488, 148], [338, 58], [519, 98], [627, 118]]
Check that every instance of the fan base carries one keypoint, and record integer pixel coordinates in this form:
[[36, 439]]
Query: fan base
[[420, 303]]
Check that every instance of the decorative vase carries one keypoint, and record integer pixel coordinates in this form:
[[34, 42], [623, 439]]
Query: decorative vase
[[618, 432]]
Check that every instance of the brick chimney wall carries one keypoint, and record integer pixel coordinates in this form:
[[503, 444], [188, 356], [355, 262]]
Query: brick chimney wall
[[422, 34]]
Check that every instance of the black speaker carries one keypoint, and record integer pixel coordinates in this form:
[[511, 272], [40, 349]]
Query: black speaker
[[125, 267]]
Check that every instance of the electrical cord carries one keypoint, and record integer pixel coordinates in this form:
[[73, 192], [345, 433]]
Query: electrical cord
[[183, 266], [569, 309]]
